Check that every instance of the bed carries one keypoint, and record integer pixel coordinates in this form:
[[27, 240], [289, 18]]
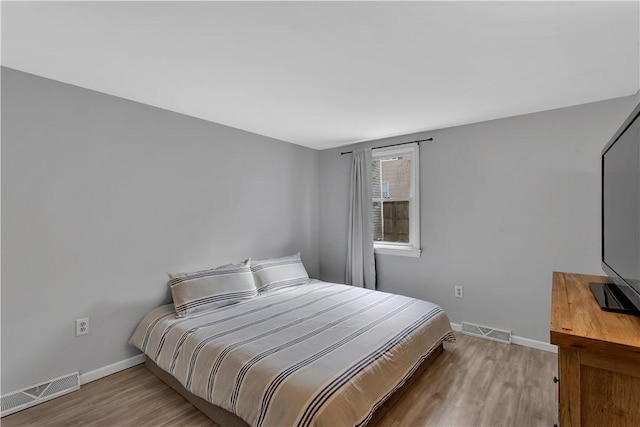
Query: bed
[[314, 354]]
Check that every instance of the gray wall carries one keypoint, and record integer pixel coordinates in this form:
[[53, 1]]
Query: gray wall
[[503, 204], [101, 197]]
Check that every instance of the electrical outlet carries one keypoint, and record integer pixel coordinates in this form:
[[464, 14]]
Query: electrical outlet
[[82, 326], [458, 291]]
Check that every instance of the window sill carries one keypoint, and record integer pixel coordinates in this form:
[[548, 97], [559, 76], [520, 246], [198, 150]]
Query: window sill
[[407, 251]]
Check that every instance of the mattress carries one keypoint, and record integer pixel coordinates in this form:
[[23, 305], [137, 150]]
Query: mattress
[[318, 354]]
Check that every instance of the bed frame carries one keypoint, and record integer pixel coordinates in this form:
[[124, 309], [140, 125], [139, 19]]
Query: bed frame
[[225, 418]]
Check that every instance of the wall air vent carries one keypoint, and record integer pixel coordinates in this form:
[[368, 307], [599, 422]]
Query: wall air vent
[[36, 394], [486, 332]]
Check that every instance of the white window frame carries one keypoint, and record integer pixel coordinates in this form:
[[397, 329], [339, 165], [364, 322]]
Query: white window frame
[[411, 249]]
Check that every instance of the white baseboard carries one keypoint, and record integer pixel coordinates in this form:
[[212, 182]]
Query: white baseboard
[[540, 345], [96, 374], [526, 342]]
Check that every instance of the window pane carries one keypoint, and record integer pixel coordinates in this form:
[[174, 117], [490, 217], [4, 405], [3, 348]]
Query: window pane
[[391, 179], [395, 222], [375, 175], [377, 221], [391, 222], [396, 172]]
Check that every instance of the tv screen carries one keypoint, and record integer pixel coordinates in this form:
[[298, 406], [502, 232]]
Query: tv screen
[[621, 213]]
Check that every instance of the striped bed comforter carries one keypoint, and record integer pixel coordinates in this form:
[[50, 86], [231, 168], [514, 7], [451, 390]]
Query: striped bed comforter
[[317, 354]]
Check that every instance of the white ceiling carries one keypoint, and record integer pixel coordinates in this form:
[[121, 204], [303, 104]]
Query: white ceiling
[[325, 74]]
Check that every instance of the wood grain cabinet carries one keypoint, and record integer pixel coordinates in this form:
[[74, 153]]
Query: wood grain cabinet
[[598, 356]]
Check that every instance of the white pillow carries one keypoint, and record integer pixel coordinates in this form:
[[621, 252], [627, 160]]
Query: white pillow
[[207, 289], [277, 273]]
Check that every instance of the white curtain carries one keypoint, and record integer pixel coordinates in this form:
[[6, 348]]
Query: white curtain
[[361, 265]]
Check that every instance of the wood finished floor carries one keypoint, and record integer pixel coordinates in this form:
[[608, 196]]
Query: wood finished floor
[[474, 382]]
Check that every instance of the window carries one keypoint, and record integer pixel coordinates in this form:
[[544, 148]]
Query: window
[[384, 188], [396, 205]]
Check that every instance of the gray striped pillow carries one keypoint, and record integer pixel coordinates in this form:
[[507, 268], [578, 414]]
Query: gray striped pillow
[[277, 273], [207, 289]]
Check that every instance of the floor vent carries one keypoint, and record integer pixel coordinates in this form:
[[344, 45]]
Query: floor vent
[[36, 394], [486, 332]]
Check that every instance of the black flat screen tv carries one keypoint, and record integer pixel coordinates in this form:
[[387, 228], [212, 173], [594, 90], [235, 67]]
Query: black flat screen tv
[[621, 220]]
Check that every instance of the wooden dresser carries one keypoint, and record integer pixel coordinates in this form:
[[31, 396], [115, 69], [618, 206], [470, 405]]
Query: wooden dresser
[[598, 356]]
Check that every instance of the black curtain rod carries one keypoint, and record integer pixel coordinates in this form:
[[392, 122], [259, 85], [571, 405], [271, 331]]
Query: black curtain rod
[[392, 145]]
